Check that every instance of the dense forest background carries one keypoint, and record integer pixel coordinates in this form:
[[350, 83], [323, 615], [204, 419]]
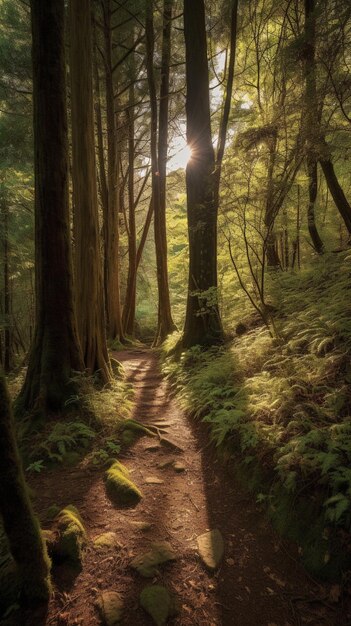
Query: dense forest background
[[283, 139], [185, 186]]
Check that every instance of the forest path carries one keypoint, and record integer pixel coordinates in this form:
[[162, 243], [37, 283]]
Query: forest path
[[259, 582], [260, 579]]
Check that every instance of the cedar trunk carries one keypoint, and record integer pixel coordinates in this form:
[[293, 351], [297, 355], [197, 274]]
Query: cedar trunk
[[88, 266], [159, 147], [111, 225], [202, 324], [55, 351]]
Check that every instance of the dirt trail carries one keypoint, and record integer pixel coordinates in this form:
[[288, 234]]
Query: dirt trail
[[259, 583]]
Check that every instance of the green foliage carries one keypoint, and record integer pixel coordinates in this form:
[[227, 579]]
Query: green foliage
[[36, 466], [284, 405], [103, 455], [63, 437]]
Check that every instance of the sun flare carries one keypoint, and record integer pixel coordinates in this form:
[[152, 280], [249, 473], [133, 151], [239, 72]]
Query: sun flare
[[181, 153]]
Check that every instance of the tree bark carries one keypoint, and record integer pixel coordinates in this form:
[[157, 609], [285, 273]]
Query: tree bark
[[130, 300], [316, 144], [202, 323], [159, 148], [88, 266], [336, 191], [312, 121], [111, 227], [7, 284], [21, 527], [55, 351], [312, 196]]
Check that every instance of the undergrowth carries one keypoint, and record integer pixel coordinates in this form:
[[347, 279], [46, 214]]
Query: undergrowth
[[281, 406], [89, 427]]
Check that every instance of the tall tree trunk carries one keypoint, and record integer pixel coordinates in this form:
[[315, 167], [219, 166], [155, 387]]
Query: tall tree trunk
[[130, 300], [312, 196], [202, 323], [111, 227], [336, 190], [99, 133], [88, 267], [271, 253], [21, 527], [312, 121], [317, 145], [222, 136], [159, 148], [7, 284], [55, 351]]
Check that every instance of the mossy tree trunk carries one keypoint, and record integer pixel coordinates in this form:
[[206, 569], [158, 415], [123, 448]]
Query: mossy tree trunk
[[20, 524], [88, 264], [55, 351], [202, 324], [159, 148]]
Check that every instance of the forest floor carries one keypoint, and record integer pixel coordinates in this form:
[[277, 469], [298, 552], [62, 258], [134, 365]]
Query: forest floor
[[259, 582]]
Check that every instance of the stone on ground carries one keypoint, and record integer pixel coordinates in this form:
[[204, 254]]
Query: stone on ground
[[147, 563], [120, 489], [211, 548], [179, 467], [153, 480], [140, 525], [158, 603], [166, 463], [153, 447], [110, 605], [106, 540]]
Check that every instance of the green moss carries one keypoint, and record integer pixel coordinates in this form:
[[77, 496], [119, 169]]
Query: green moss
[[128, 437], [72, 535], [106, 540], [120, 489], [158, 603]]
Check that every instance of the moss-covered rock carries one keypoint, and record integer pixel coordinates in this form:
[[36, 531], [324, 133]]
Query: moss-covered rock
[[110, 607], [120, 488], [71, 535], [147, 563], [107, 540], [158, 603]]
